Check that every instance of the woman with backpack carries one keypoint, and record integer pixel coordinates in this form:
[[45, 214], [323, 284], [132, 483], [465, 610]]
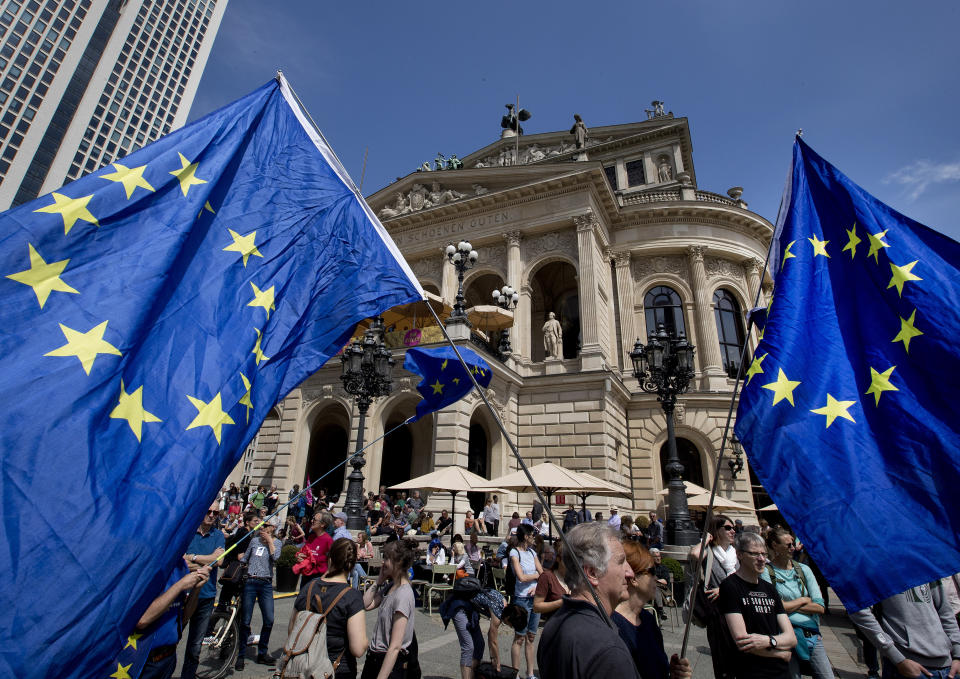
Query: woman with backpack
[[720, 561], [802, 601], [345, 616], [393, 652], [526, 568]]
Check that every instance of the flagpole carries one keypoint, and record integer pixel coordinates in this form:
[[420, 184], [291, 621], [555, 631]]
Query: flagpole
[[523, 466], [726, 430]]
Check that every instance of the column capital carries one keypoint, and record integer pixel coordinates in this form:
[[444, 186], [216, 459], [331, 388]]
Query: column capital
[[695, 252], [513, 238], [621, 259], [754, 265], [586, 222]]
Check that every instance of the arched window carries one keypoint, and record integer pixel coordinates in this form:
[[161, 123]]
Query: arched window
[[729, 330], [662, 305]]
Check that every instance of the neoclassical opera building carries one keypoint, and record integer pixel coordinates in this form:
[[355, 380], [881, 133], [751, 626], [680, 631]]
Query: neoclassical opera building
[[613, 237]]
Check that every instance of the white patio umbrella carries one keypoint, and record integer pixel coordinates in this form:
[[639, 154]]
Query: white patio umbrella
[[719, 502], [551, 478], [691, 488], [769, 508], [453, 480]]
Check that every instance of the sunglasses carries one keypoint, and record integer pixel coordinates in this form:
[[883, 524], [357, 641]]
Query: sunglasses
[[729, 528], [756, 555], [212, 512]]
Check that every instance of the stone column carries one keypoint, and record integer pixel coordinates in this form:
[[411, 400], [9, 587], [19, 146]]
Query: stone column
[[713, 378], [591, 355], [754, 269], [518, 339], [625, 301]]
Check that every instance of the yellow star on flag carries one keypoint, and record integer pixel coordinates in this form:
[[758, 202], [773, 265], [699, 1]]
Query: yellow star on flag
[[71, 209], [245, 399], [876, 243], [760, 333], [257, 351], [132, 641], [901, 274], [835, 409], [85, 345], [456, 380], [245, 245], [130, 408], [787, 254], [755, 368], [437, 387], [187, 174], [853, 242], [209, 415], [44, 278], [130, 177], [209, 208], [907, 331], [443, 366], [263, 298], [782, 388], [123, 671], [880, 382], [819, 246]]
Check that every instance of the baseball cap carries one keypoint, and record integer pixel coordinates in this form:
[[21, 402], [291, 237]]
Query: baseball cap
[[340, 515]]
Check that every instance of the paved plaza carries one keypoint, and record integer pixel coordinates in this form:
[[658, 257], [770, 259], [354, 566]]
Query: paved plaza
[[439, 651]]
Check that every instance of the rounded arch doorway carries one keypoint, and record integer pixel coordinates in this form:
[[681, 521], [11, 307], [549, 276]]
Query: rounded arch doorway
[[328, 449], [689, 457]]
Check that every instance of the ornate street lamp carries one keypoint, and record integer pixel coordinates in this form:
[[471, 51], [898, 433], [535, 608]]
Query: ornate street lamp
[[665, 367], [463, 257], [736, 462], [505, 298], [367, 364]]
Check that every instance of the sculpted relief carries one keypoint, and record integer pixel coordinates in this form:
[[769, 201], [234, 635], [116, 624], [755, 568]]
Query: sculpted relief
[[419, 197], [534, 153], [648, 266], [564, 242], [428, 268], [716, 267]]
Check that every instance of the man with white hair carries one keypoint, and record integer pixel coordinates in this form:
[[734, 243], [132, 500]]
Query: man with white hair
[[662, 575], [577, 643], [755, 616]]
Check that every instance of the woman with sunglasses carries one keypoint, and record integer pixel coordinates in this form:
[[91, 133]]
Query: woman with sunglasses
[[719, 562], [800, 592], [638, 626]]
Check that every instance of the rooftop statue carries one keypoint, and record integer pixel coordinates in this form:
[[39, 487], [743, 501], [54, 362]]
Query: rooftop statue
[[579, 132], [512, 120]]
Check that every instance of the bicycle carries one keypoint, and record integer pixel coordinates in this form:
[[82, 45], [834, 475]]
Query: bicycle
[[218, 653]]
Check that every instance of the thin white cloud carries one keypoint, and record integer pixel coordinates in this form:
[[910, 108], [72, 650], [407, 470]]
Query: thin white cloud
[[920, 175]]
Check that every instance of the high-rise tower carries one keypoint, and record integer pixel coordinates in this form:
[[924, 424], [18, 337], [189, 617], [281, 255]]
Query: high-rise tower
[[83, 82]]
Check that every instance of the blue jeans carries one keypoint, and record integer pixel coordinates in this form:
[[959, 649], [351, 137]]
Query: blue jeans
[[356, 576], [890, 671], [818, 659], [160, 670], [533, 619], [260, 591], [198, 630]]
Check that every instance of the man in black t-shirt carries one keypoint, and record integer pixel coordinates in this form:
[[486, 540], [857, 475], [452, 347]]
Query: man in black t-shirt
[[755, 616]]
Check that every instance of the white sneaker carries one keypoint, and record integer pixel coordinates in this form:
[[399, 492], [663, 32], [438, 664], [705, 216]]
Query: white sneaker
[[253, 639]]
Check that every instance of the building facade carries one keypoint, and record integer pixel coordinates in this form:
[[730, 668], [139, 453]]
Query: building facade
[[614, 238], [84, 82]]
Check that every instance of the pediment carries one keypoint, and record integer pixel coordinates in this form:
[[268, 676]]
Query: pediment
[[425, 190]]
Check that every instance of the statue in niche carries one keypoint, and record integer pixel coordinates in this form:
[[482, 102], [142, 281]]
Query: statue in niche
[[579, 132], [553, 337], [664, 171]]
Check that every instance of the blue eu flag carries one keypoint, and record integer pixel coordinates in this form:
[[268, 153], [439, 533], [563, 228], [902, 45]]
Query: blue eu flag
[[444, 379], [152, 314], [850, 414]]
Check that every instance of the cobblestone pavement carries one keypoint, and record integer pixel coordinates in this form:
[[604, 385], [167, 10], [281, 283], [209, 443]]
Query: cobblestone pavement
[[439, 651]]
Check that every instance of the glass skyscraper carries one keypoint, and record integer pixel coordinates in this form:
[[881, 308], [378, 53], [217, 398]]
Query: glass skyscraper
[[84, 82]]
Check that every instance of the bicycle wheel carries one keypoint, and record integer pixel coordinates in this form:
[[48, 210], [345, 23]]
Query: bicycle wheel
[[219, 649]]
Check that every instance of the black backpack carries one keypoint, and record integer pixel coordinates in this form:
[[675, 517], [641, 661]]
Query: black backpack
[[467, 588], [510, 581]]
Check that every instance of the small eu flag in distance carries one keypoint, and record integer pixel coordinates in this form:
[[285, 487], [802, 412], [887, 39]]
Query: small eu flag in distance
[[444, 379], [849, 413], [153, 312]]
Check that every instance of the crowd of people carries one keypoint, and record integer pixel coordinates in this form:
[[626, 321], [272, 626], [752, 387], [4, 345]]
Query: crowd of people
[[599, 593]]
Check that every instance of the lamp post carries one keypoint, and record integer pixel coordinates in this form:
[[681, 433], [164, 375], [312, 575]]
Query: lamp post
[[367, 364], [463, 257], [665, 367], [506, 298], [736, 462]]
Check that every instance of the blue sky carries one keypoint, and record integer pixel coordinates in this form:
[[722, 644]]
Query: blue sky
[[873, 85]]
